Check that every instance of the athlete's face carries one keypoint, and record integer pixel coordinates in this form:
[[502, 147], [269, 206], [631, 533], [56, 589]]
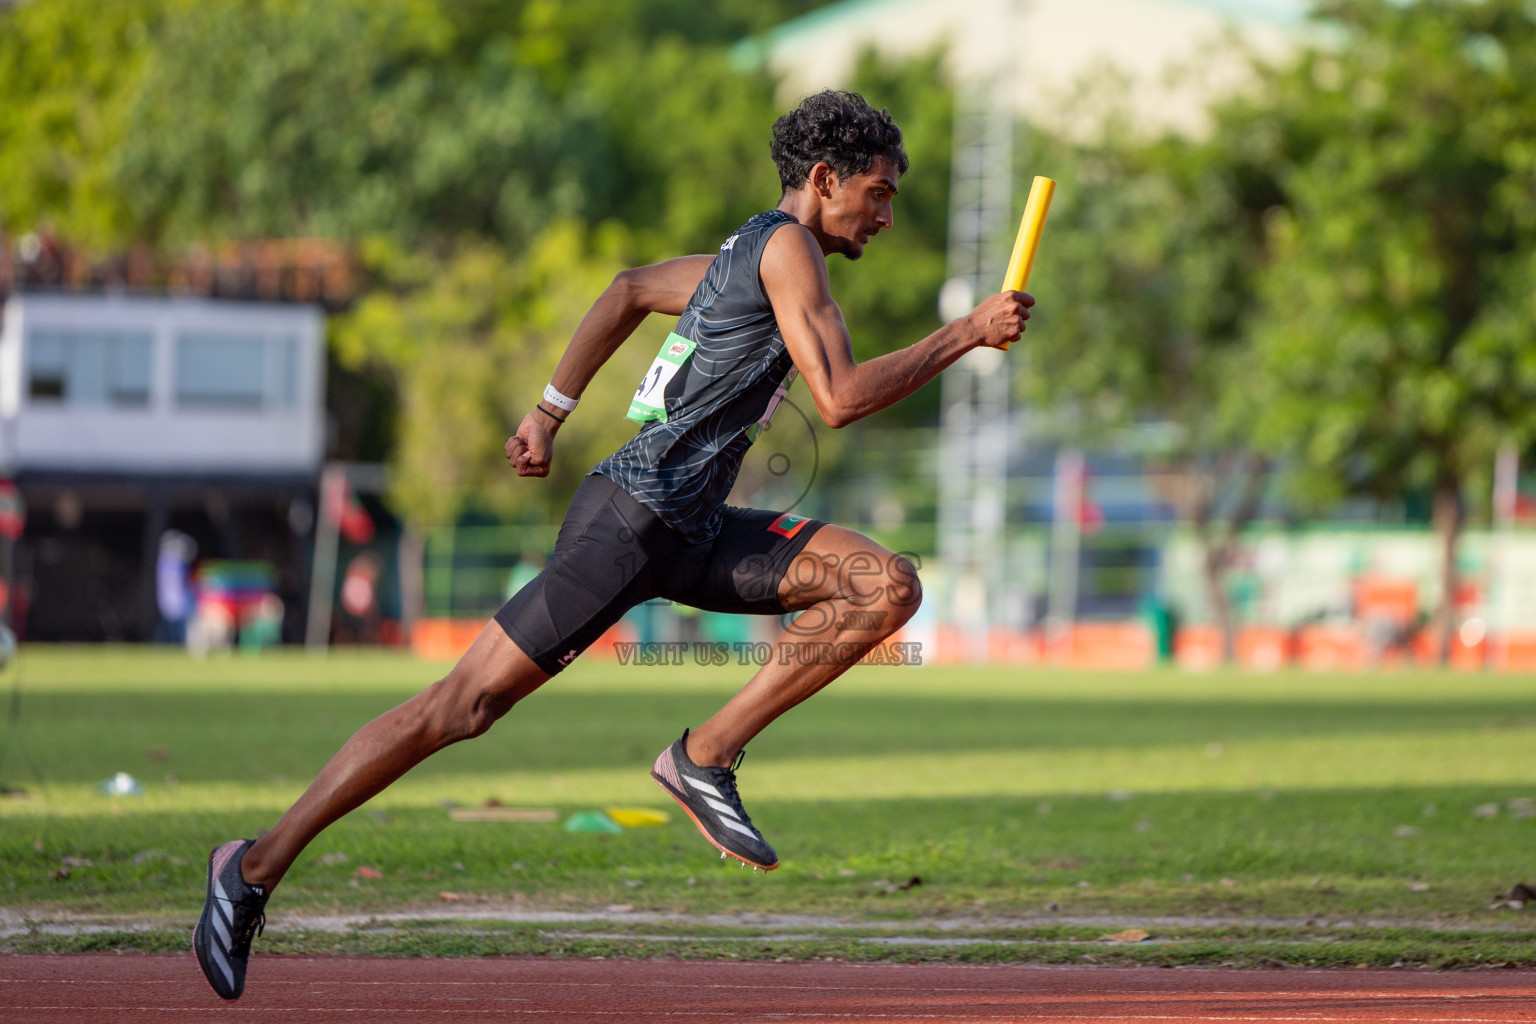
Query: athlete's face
[[858, 207]]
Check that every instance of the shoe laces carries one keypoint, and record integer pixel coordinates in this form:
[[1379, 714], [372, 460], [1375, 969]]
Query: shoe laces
[[725, 781], [253, 908]]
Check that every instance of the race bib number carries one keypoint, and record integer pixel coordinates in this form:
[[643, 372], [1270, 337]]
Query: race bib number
[[650, 402]]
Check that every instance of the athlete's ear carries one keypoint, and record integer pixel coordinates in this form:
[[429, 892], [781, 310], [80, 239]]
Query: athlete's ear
[[823, 178]]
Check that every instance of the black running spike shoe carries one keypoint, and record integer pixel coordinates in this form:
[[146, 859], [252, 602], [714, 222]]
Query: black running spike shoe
[[233, 914], [710, 798]]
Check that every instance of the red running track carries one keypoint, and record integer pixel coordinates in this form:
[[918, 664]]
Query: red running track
[[110, 988]]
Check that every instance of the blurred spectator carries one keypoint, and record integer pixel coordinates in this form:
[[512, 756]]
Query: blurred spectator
[[173, 586], [360, 613]]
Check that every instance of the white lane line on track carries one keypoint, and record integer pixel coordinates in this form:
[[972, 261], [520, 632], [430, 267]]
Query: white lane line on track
[[790, 1015]]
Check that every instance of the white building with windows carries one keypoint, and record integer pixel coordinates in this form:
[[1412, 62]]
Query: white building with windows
[[133, 385], [125, 417]]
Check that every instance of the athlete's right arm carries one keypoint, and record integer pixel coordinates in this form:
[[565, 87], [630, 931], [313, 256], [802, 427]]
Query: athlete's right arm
[[794, 275], [633, 295]]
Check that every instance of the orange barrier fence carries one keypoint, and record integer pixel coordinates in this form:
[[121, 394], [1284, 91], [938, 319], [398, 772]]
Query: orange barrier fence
[[1124, 646]]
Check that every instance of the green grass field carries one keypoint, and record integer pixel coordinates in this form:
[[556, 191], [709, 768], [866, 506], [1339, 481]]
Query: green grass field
[[1239, 818]]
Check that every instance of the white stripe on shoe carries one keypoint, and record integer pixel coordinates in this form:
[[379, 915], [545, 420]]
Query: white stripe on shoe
[[222, 963], [704, 786], [220, 917], [219, 950], [739, 827], [723, 808]]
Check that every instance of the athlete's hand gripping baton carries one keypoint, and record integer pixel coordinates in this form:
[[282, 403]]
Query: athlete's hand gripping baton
[[1028, 240]]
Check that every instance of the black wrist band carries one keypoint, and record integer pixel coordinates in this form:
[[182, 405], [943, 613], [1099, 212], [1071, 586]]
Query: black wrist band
[[546, 412]]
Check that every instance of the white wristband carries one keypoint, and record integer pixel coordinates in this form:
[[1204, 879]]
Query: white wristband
[[558, 400]]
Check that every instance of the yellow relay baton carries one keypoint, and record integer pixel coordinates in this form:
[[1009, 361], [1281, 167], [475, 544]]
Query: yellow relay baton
[[1028, 241]]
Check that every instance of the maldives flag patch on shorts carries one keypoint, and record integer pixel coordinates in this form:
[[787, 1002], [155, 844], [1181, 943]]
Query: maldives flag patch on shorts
[[787, 525]]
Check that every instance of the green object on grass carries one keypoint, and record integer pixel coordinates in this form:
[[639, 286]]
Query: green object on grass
[[591, 821]]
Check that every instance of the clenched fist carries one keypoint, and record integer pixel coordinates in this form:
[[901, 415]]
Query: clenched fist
[[529, 450]]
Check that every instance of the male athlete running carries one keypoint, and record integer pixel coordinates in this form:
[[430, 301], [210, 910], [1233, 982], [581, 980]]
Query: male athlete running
[[650, 520]]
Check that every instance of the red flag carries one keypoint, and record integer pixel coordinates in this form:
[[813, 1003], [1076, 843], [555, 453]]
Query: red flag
[[13, 511], [342, 507], [1072, 502]]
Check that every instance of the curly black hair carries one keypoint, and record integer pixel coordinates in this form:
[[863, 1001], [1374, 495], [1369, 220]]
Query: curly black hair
[[840, 128]]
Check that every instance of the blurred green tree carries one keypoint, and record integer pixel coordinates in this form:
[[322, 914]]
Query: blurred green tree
[[1395, 341], [689, 158], [282, 119], [1146, 283], [170, 121], [68, 72], [494, 161]]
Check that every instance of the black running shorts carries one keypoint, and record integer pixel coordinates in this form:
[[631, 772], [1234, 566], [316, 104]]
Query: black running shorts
[[613, 553]]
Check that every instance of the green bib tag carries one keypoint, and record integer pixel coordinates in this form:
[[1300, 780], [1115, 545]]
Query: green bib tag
[[650, 402]]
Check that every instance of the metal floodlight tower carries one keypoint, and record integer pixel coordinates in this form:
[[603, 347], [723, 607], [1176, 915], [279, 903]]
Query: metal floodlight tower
[[974, 420]]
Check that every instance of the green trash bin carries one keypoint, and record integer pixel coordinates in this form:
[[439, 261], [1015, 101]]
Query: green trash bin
[[1160, 620]]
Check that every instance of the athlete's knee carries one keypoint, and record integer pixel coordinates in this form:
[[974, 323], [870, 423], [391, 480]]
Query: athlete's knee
[[903, 590], [486, 709], [461, 707], [885, 595]]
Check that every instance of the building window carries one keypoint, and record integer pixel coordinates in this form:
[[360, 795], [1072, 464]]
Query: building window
[[89, 367], [236, 371]]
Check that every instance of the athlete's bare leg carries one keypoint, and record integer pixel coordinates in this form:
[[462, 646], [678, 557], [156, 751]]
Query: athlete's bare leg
[[492, 676], [839, 572]]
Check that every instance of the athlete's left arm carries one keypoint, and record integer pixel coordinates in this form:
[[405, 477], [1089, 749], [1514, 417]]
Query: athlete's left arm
[[633, 295], [794, 274]]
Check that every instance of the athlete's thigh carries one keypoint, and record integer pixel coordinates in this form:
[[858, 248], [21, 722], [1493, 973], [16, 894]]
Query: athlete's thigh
[[496, 664], [747, 561], [608, 558], [844, 564]]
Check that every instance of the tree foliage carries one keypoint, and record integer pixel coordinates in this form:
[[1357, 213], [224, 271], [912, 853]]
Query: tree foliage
[[1150, 267], [68, 72], [494, 162], [1398, 321], [1396, 339], [1339, 277], [191, 120], [1147, 285], [280, 119]]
